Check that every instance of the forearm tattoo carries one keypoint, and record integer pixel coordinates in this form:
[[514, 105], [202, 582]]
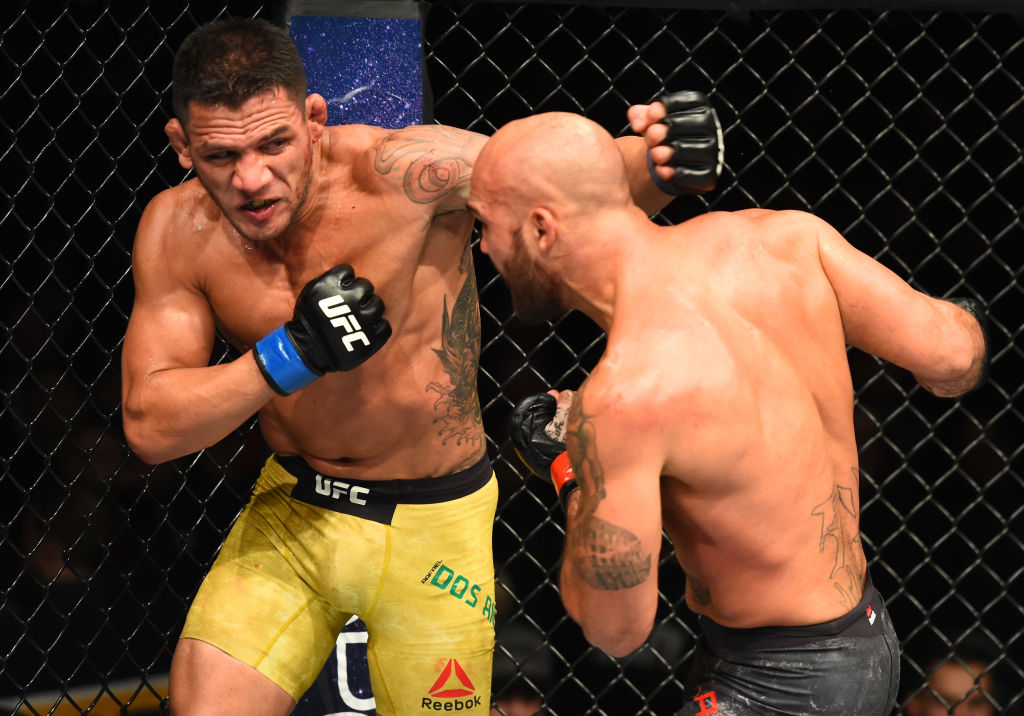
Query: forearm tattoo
[[426, 175], [460, 356], [840, 531], [604, 555]]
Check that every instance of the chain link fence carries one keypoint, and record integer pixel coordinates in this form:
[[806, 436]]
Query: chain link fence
[[902, 128]]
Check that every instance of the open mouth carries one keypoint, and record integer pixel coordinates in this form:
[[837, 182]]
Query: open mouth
[[258, 204]]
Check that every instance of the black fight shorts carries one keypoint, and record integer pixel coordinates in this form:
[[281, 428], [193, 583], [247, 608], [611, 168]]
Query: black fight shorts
[[846, 667]]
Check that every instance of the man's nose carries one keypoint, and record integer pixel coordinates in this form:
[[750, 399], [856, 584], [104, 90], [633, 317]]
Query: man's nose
[[251, 173]]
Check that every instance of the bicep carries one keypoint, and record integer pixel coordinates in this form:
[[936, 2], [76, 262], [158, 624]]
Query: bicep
[[881, 313], [171, 324], [619, 511]]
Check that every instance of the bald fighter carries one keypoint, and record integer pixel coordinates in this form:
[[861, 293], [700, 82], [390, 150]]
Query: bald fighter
[[721, 411]]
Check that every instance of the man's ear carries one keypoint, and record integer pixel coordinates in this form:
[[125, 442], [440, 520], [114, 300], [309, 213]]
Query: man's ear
[[179, 142], [316, 115], [543, 223]]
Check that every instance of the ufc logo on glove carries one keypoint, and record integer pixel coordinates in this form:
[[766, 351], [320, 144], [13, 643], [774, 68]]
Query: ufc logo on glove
[[335, 308]]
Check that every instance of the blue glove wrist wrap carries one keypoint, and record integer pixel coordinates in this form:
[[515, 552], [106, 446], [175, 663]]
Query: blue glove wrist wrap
[[281, 364]]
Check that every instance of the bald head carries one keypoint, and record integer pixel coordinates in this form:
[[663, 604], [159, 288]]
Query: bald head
[[555, 157]]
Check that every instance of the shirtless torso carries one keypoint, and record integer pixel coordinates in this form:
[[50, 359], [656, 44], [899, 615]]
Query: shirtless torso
[[377, 202], [759, 491], [746, 411]]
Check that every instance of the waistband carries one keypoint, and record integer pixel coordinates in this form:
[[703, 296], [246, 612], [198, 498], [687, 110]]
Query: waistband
[[377, 499], [863, 620]]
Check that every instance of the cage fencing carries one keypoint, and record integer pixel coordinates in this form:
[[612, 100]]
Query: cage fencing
[[902, 128]]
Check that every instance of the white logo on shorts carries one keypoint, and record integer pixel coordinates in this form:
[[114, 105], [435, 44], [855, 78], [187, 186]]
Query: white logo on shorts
[[336, 488]]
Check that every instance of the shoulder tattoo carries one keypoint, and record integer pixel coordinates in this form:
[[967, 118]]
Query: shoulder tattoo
[[428, 167]]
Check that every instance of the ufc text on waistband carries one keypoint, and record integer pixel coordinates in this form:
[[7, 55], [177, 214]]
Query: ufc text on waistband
[[376, 500]]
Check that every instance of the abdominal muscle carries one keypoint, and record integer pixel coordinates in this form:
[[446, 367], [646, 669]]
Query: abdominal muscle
[[403, 427]]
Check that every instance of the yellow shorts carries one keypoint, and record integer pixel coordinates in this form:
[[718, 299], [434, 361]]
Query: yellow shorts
[[412, 558]]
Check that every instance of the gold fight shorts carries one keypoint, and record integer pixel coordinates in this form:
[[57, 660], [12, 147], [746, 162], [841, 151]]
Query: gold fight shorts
[[412, 558]]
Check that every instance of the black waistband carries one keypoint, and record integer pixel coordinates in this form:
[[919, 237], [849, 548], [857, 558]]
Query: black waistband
[[377, 499], [863, 620]]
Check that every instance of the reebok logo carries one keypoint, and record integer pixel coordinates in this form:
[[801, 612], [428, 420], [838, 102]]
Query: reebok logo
[[453, 691], [335, 308]]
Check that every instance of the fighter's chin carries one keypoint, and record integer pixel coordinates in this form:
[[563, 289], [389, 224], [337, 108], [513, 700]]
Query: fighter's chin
[[259, 232]]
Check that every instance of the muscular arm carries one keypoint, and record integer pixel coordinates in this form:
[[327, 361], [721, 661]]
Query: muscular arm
[[434, 163], [613, 529], [174, 403], [940, 343]]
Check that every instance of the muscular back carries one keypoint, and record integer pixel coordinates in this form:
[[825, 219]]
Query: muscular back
[[389, 204], [742, 366]]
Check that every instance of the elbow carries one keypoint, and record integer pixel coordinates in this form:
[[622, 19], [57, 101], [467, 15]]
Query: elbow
[[143, 442], [617, 631], [618, 640], [963, 363], [964, 368]]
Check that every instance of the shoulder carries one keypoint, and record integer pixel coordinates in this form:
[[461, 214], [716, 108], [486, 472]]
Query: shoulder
[[764, 220], [179, 211], [623, 396], [787, 234], [176, 227], [429, 164]]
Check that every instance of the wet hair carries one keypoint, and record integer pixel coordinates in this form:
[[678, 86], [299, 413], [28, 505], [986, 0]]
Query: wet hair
[[230, 61]]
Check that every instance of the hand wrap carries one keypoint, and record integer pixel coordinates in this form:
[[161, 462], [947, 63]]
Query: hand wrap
[[542, 453]]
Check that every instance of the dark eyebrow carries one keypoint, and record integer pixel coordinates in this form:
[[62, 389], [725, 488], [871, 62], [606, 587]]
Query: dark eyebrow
[[213, 147]]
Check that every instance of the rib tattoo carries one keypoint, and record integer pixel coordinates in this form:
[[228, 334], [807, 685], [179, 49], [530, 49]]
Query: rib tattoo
[[460, 355], [839, 525]]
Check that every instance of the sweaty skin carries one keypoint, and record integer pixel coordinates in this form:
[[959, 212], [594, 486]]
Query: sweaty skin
[[277, 200], [722, 408], [389, 203]]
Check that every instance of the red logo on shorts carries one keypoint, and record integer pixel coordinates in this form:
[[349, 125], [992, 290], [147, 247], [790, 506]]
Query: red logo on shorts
[[447, 687], [708, 702]]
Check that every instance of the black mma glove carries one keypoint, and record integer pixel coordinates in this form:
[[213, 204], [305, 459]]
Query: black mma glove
[[976, 309], [543, 454], [695, 136], [338, 323]]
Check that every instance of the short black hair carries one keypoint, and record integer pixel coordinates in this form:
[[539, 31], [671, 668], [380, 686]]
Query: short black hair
[[228, 62]]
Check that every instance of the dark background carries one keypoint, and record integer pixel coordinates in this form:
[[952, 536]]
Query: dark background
[[901, 128]]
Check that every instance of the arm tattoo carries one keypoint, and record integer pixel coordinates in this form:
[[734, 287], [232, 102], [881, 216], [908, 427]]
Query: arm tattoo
[[839, 526], [426, 176], [460, 356], [610, 557], [605, 555]]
